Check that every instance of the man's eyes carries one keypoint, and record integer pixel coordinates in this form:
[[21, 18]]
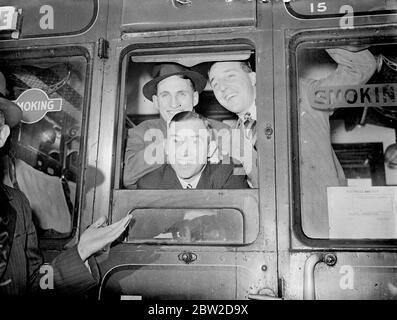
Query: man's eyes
[[228, 76]]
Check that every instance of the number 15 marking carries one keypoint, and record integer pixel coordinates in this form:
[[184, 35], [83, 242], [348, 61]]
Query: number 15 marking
[[321, 7]]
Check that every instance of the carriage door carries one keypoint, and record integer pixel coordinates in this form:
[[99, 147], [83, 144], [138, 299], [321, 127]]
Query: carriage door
[[211, 243], [51, 65]]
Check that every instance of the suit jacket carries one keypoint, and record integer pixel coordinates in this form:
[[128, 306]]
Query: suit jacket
[[214, 176], [21, 273]]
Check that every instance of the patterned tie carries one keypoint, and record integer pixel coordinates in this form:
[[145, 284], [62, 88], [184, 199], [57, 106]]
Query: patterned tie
[[249, 128], [189, 186]]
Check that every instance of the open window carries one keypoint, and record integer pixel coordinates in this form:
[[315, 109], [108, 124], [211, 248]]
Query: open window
[[166, 212], [45, 157], [344, 117]]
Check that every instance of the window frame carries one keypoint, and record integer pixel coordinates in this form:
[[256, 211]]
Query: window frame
[[214, 199], [322, 39], [142, 50], [53, 52]]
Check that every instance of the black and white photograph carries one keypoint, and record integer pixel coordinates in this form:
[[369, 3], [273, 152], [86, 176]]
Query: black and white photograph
[[197, 158]]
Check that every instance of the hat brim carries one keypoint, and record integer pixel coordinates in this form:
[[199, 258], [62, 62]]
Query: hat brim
[[12, 112], [150, 88]]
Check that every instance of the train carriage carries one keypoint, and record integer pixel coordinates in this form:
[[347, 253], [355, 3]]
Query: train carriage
[[77, 70]]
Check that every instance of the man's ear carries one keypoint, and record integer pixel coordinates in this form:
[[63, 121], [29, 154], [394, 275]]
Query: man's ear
[[195, 98], [252, 76], [4, 133]]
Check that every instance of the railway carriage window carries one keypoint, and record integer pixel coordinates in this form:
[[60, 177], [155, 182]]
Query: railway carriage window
[[46, 149], [179, 135], [187, 225], [158, 92], [347, 113]]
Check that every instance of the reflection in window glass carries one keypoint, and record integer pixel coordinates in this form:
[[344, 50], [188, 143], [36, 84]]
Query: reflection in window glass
[[187, 226], [347, 117], [46, 147]]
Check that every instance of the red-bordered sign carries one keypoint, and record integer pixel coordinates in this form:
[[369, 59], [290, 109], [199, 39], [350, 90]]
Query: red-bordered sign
[[35, 104]]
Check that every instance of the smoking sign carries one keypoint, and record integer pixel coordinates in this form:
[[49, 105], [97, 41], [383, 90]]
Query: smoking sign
[[371, 95], [35, 104]]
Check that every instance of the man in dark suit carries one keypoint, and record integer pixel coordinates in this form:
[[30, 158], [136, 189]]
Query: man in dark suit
[[74, 270], [190, 144]]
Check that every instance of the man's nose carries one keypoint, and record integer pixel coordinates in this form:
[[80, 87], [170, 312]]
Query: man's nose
[[183, 149], [186, 150], [175, 103]]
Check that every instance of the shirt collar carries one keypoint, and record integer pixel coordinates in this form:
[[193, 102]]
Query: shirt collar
[[251, 110], [192, 181]]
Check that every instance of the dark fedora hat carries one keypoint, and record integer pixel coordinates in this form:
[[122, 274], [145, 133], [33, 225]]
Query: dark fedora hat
[[11, 110], [165, 70]]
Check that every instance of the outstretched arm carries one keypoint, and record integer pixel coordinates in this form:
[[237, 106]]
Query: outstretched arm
[[71, 275], [354, 68]]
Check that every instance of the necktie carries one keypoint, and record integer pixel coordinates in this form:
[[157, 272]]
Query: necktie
[[249, 125], [189, 186]]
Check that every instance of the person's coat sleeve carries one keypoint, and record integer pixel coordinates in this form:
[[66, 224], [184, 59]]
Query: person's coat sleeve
[[354, 68], [71, 275], [135, 164]]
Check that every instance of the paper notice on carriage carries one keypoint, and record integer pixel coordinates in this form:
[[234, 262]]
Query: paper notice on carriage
[[362, 212]]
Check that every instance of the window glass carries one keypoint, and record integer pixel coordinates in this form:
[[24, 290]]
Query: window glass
[[156, 92], [186, 225], [161, 151], [347, 113], [45, 156]]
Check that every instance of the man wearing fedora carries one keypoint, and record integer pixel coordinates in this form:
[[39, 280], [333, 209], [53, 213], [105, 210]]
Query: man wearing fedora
[[173, 89], [74, 270]]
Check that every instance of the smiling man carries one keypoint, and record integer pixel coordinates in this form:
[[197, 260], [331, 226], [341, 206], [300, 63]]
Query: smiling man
[[234, 86], [172, 90]]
